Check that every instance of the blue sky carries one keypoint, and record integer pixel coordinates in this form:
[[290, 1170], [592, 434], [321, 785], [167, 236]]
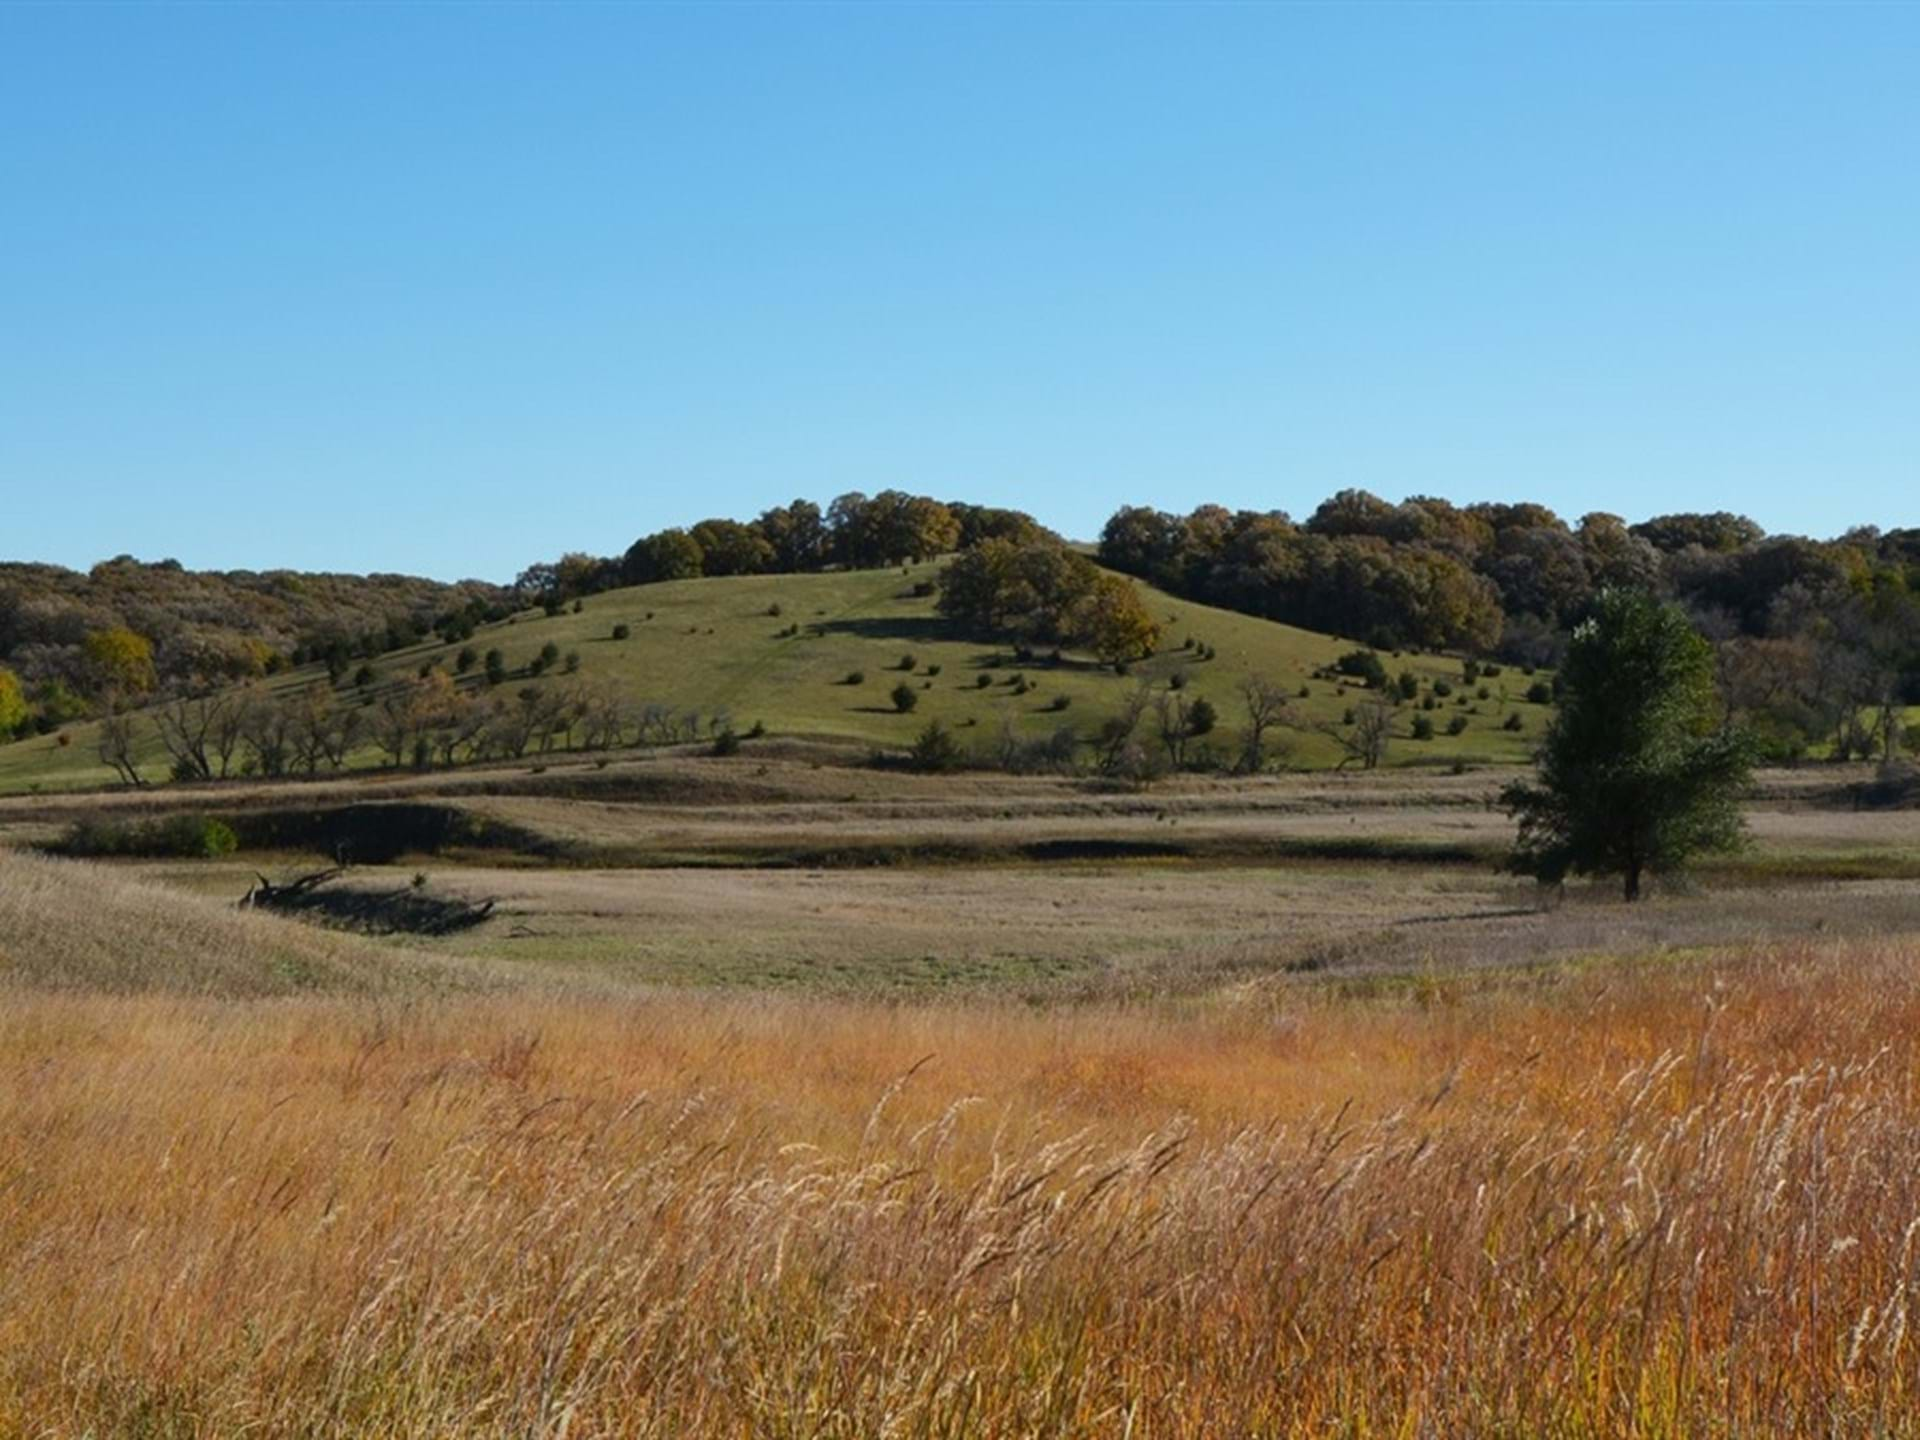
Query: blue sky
[[448, 289]]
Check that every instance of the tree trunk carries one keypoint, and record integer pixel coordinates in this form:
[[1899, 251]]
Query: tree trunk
[[1633, 882]]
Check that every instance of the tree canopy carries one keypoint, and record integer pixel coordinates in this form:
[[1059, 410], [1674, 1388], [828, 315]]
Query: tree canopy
[[1635, 774]]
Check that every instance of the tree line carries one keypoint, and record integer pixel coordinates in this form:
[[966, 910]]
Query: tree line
[[1816, 643]]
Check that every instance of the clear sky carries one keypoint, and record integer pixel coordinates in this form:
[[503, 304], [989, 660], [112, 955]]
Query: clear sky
[[450, 288]]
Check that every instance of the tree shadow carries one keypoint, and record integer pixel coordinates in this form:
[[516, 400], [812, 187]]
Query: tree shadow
[[899, 627]]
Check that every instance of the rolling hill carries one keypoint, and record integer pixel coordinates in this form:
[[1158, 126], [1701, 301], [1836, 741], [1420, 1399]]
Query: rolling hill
[[778, 650]]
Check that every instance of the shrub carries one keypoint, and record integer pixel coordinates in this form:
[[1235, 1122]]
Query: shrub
[[549, 653], [933, 670], [365, 676], [758, 730], [1121, 667], [465, 660], [1513, 722], [1177, 680], [1490, 672], [1306, 692], [983, 682], [726, 742], [773, 610], [572, 665], [904, 697], [1470, 670], [578, 606], [923, 588], [1457, 725], [1202, 717], [1484, 693], [496, 667], [907, 663], [935, 750], [1442, 688], [186, 837], [1363, 665], [623, 632], [1540, 693], [855, 677], [1409, 684], [1427, 702], [1059, 702], [1422, 728]]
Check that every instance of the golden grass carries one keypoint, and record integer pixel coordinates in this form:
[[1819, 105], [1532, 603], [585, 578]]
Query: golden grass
[[1667, 1199], [71, 926]]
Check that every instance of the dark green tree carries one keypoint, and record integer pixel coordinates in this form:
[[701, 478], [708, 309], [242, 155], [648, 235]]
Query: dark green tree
[[1635, 774]]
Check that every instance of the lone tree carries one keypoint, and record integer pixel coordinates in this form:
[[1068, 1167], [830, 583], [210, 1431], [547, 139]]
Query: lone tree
[[1634, 775]]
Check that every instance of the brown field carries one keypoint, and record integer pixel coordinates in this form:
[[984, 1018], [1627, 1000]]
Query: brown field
[[1675, 1198], [1355, 1137]]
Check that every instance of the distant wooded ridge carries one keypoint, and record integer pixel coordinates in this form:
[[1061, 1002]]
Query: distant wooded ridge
[[1810, 631]]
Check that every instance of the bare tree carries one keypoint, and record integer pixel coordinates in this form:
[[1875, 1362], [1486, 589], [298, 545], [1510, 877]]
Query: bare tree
[[1364, 742], [1172, 713], [1267, 708], [185, 723], [117, 744], [1115, 746], [266, 730]]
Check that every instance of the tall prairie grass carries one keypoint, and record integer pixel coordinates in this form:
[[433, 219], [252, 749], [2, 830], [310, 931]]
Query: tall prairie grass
[[1667, 1199]]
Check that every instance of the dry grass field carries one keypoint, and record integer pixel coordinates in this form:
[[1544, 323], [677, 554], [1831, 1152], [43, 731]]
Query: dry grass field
[[1666, 1198], [262, 1179], [783, 1098]]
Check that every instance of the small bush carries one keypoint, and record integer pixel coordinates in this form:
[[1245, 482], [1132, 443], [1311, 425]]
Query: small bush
[[1422, 728], [496, 665], [1306, 692], [758, 730], [1470, 670], [1202, 717], [726, 743], [1059, 703], [855, 677], [1490, 672], [923, 588], [1442, 688], [465, 660], [623, 632], [578, 606], [572, 665], [935, 750], [1363, 665], [773, 610], [907, 663], [1121, 667], [1540, 693], [1409, 684], [1457, 725], [1427, 702], [365, 676], [185, 837], [905, 697], [933, 670], [982, 682], [1177, 680], [1484, 693], [1513, 722]]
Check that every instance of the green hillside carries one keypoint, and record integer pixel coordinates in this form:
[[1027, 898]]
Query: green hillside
[[719, 643]]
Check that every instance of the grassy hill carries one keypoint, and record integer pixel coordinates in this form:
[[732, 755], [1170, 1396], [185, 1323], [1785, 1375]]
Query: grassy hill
[[731, 644]]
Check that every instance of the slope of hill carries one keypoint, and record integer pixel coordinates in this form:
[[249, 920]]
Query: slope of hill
[[70, 926], [779, 650]]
